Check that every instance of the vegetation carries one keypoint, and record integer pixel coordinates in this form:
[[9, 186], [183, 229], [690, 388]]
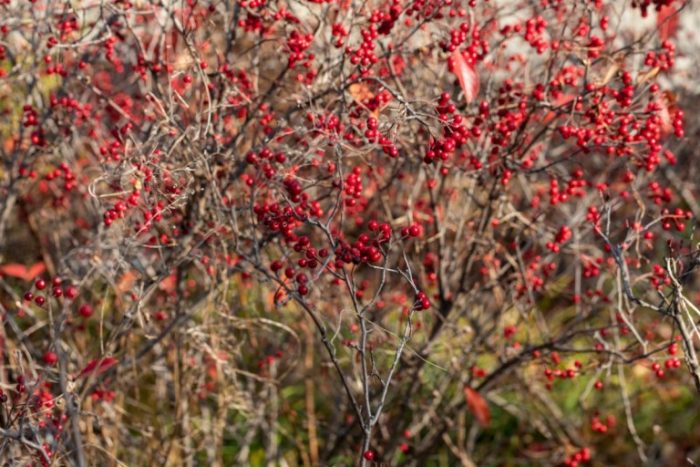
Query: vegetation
[[348, 232]]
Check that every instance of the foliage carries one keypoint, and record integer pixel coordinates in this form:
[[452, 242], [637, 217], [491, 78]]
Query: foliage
[[322, 232]]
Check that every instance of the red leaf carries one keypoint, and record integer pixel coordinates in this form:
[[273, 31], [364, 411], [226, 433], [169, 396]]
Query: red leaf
[[558, 103], [667, 22], [478, 406], [99, 365], [468, 78], [23, 272]]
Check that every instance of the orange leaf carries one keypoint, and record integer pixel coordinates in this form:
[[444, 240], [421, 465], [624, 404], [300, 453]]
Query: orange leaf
[[359, 92], [478, 406], [468, 78], [168, 284], [23, 272], [126, 282], [9, 144]]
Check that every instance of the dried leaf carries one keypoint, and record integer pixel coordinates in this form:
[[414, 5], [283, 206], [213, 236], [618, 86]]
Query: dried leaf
[[609, 74], [643, 77], [668, 107], [478, 406]]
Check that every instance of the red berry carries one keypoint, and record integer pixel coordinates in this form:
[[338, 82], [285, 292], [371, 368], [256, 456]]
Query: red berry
[[50, 358], [85, 310], [70, 292]]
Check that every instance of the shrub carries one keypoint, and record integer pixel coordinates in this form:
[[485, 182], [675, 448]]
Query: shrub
[[320, 232]]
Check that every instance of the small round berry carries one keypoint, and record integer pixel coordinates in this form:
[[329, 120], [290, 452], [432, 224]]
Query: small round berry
[[85, 310], [50, 358], [70, 292]]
